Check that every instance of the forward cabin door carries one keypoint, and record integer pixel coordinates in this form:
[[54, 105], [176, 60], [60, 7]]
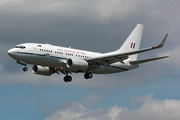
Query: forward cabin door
[[35, 49], [35, 57]]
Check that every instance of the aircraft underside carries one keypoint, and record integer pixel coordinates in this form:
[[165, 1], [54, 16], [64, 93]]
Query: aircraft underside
[[56, 66]]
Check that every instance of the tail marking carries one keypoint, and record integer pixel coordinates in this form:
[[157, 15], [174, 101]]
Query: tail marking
[[132, 45]]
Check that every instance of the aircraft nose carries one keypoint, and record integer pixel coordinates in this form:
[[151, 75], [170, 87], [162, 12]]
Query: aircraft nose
[[11, 52]]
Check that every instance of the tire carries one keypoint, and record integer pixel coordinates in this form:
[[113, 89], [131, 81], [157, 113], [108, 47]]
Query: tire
[[88, 75], [25, 69], [67, 79]]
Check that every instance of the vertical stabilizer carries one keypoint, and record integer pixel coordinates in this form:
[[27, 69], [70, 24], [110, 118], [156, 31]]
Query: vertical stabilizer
[[132, 43]]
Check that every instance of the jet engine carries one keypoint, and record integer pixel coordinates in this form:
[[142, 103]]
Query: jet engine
[[43, 70], [77, 64]]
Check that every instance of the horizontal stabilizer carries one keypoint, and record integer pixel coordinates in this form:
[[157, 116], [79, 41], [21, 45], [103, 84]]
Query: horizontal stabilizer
[[146, 60]]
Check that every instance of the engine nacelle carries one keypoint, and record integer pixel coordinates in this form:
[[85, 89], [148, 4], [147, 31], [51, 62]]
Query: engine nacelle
[[42, 70], [77, 64]]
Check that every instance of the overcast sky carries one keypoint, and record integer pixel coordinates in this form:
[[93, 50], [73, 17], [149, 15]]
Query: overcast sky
[[148, 92]]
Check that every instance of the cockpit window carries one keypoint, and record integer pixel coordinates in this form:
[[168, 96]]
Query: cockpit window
[[20, 46]]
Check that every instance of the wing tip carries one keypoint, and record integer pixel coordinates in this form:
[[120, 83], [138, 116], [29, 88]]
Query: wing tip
[[163, 41], [161, 44]]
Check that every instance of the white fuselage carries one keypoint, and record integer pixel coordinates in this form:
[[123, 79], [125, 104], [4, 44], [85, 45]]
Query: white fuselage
[[56, 57]]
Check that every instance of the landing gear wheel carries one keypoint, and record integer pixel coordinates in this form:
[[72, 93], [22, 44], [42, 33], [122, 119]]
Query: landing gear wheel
[[85, 76], [88, 75], [25, 69], [67, 79]]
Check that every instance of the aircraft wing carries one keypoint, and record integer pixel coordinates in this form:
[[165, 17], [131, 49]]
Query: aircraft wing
[[107, 59]]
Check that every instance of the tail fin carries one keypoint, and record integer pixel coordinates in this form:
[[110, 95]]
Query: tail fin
[[132, 43]]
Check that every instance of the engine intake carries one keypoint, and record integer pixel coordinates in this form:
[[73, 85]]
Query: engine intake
[[77, 64], [42, 70]]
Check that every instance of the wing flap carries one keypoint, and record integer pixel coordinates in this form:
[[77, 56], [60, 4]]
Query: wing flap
[[146, 60]]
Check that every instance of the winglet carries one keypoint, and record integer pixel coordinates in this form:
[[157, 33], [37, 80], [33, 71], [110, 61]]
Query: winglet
[[162, 42]]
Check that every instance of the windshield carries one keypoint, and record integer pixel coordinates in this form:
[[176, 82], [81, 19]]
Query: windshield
[[20, 46]]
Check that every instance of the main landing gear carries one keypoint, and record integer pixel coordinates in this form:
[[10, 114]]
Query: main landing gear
[[88, 75], [67, 78]]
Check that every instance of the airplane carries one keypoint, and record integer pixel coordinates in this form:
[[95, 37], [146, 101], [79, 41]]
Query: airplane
[[48, 59]]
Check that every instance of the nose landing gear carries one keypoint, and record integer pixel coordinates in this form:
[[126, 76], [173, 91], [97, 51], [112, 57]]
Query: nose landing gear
[[25, 69], [23, 63]]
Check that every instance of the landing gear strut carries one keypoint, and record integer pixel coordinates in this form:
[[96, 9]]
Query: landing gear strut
[[67, 78], [22, 63], [88, 75]]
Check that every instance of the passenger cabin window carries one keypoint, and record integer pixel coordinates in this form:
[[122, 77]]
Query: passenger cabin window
[[50, 51]]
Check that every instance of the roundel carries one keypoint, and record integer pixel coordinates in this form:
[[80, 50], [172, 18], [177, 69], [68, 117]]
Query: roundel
[[47, 55]]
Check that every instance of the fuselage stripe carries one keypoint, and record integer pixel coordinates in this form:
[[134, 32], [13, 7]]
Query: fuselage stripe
[[41, 55]]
